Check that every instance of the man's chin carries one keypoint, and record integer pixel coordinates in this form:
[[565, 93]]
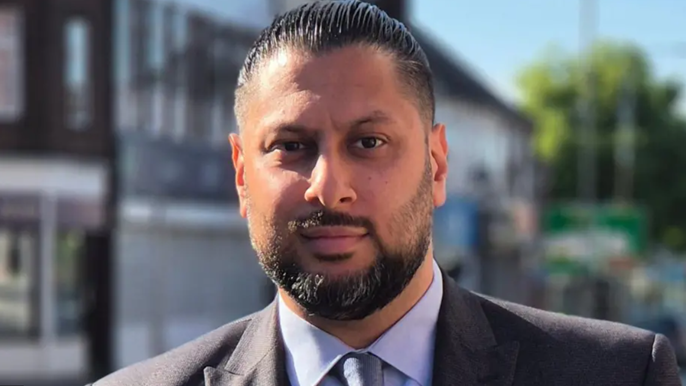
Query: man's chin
[[337, 278], [338, 312]]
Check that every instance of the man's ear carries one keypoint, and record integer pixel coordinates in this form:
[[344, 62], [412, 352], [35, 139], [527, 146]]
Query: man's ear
[[239, 166], [438, 147]]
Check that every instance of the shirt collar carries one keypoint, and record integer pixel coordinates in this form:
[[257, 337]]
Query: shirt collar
[[407, 346]]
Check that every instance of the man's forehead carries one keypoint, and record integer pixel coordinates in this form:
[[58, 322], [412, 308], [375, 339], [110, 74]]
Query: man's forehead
[[282, 65], [292, 66], [291, 83]]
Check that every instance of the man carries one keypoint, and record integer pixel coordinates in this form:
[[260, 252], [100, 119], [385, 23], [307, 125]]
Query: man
[[338, 168]]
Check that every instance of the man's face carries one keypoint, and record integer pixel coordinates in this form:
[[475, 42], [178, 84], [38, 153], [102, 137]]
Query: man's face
[[338, 176]]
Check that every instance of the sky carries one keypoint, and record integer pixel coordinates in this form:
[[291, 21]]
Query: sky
[[499, 37], [496, 38]]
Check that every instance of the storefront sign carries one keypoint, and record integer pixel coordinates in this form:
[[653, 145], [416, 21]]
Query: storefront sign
[[160, 168], [27, 210], [20, 209]]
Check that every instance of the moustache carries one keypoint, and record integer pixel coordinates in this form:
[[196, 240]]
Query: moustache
[[324, 217]]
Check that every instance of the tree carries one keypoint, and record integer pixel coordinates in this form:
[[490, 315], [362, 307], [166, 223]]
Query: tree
[[551, 89]]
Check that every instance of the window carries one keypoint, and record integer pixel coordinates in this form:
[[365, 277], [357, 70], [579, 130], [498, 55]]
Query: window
[[219, 51], [68, 282], [11, 64], [78, 80], [179, 48], [170, 67], [223, 122], [141, 82], [156, 59], [201, 88], [18, 255], [124, 103]]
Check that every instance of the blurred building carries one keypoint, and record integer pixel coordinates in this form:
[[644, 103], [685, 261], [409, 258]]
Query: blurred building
[[55, 152], [119, 231]]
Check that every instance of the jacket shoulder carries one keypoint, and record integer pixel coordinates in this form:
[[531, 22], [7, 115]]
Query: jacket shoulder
[[558, 346], [185, 363], [510, 318]]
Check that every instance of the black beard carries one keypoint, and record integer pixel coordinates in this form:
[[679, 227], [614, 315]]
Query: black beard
[[355, 296]]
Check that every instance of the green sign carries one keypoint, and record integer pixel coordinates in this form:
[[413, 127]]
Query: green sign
[[566, 267], [629, 221], [580, 235]]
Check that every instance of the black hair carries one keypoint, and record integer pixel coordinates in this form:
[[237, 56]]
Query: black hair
[[322, 26]]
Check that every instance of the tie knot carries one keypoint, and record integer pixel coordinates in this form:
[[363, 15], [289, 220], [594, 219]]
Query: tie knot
[[360, 369]]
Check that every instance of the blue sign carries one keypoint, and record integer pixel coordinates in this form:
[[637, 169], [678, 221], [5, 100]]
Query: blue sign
[[455, 224]]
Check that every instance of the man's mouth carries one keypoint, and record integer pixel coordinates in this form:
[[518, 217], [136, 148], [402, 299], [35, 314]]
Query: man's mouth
[[333, 240]]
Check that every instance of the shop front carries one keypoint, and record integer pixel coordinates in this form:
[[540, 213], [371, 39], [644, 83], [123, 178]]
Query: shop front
[[184, 263], [49, 241]]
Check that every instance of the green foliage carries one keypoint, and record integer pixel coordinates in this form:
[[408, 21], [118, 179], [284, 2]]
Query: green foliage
[[551, 89]]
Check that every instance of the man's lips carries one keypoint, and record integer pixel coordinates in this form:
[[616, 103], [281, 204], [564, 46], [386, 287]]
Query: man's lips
[[333, 232], [332, 240]]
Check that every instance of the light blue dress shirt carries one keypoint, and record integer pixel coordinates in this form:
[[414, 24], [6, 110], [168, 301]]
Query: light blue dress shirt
[[407, 348]]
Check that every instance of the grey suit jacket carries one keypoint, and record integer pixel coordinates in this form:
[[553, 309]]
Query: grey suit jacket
[[479, 341]]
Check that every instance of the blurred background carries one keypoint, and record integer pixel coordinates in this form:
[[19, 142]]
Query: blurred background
[[119, 231]]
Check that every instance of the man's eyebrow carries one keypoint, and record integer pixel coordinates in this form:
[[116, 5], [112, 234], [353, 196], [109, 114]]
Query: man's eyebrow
[[376, 116], [289, 128]]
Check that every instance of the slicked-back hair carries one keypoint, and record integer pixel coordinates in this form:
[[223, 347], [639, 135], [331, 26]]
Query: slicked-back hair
[[320, 27]]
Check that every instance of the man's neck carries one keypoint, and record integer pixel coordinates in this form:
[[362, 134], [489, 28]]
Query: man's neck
[[362, 333]]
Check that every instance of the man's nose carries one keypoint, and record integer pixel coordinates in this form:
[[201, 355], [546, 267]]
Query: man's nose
[[330, 183]]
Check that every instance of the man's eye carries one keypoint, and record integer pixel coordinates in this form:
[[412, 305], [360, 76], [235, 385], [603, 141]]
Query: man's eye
[[289, 146], [369, 142]]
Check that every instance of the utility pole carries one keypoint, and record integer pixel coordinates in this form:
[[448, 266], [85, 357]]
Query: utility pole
[[587, 178], [625, 138], [587, 133]]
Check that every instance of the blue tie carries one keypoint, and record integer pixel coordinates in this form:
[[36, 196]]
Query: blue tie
[[360, 369]]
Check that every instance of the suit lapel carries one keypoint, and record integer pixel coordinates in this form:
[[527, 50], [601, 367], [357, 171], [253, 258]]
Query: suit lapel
[[466, 351], [258, 359]]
